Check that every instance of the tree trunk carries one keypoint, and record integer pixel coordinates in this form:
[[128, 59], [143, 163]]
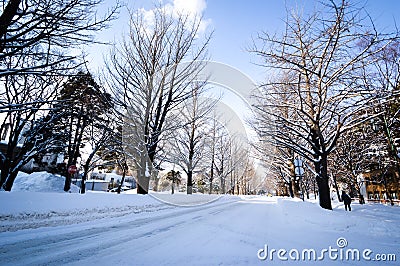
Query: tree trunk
[[323, 183], [4, 172], [222, 184], [5, 19], [189, 182], [336, 188], [232, 184], [143, 181], [315, 191], [10, 181], [324, 193], [291, 194], [295, 187], [172, 188], [84, 178], [156, 183], [73, 150], [122, 181], [10, 168], [67, 184], [361, 199], [387, 191]]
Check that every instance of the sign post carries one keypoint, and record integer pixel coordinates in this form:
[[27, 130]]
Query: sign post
[[299, 170], [72, 169]]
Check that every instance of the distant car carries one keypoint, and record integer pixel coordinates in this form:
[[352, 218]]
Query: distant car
[[261, 192], [122, 189]]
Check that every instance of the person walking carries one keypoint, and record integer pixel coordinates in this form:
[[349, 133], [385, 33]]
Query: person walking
[[346, 200]]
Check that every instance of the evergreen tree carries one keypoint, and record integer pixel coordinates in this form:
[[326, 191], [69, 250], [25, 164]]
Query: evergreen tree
[[175, 178], [82, 104]]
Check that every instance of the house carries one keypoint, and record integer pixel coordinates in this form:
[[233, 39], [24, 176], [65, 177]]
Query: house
[[49, 162], [96, 185], [381, 187]]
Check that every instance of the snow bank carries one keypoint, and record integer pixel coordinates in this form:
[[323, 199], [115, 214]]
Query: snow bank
[[41, 182], [30, 210], [43, 202]]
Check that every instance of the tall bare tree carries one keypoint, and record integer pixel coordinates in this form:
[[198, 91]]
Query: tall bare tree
[[99, 135], [386, 111], [51, 28], [36, 38], [188, 142], [24, 123], [275, 155], [323, 52], [236, 163], [350, 158], [151, 73]]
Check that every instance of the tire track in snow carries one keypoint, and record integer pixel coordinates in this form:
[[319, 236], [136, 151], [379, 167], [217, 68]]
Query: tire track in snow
[[69, 247], [12, 223]]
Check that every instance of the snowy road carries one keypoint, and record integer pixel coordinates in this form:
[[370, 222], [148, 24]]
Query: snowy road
[[109, 240], [224, 232]]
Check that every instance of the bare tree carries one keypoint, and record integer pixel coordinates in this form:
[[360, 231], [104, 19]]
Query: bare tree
[[188, 141], [98, 136], [350, 159], [226, 157], [386, 111], [323, 52], [225, 162], [275, 155], [217, 134], [151, 73], [236, 164], [44, 30], [25, 123]]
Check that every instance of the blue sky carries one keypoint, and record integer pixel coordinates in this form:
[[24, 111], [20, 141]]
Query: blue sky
[[236, 22]]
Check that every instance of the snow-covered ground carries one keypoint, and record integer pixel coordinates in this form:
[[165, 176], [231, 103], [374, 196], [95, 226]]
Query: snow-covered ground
[[38, 228]]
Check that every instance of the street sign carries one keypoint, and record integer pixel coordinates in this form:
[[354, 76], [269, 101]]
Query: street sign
[[72, 169], [299, 170]]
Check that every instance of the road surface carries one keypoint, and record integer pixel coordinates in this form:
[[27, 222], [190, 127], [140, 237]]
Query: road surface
[[224, 232]]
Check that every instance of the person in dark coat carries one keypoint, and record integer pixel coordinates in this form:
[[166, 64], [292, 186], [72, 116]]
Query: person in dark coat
[[346, 200]]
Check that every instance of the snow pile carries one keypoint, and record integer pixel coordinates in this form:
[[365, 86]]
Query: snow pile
[[41, 182], [34, 202]]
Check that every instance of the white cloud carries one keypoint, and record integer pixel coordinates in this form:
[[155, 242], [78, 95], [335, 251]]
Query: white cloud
[[193, 8], [148, 16]]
